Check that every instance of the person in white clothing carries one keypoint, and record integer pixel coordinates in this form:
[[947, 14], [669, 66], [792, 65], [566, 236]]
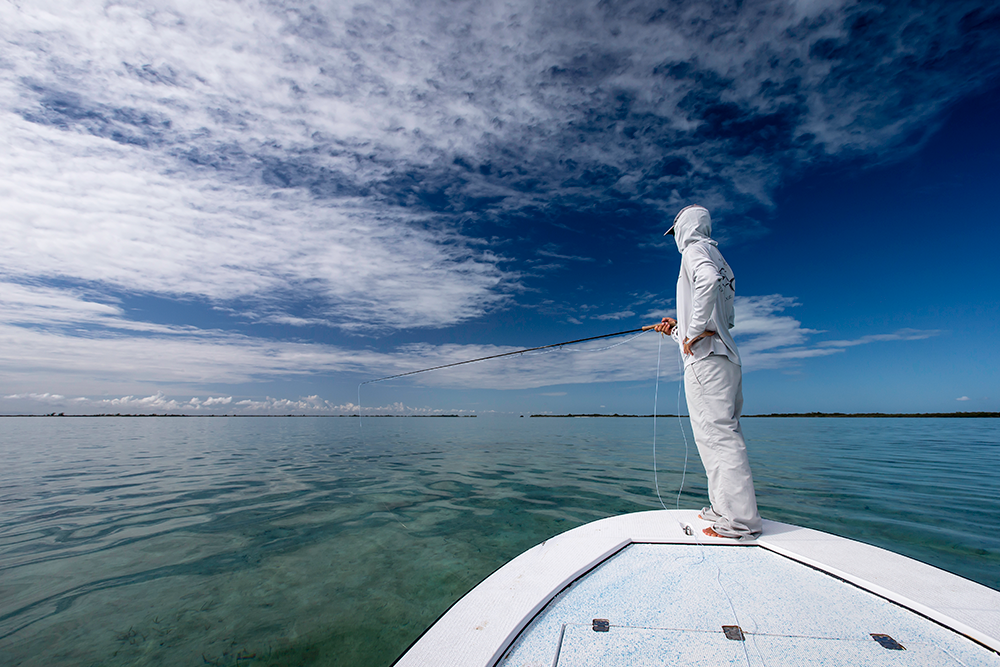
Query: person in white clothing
[[713, 378]]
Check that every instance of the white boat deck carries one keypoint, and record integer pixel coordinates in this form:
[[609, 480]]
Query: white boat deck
[[667, 596], [667, 604]]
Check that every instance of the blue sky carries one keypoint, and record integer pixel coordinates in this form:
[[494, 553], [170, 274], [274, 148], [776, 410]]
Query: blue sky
[[252, 207]]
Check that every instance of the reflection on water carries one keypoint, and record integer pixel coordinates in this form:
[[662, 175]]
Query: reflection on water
[[301, 541]]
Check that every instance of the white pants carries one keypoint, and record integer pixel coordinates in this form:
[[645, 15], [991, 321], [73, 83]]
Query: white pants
[[714, 389]]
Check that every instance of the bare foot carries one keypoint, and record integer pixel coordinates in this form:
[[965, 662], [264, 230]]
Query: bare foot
[[711, 533]]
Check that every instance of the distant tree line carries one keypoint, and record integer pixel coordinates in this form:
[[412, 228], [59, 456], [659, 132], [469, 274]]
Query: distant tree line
[[882, 415]]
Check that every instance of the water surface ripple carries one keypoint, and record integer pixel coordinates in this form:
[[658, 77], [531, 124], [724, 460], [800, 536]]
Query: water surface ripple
[[309, 541]]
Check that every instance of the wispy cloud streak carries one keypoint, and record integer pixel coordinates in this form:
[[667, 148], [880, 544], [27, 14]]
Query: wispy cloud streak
[[102, 359]]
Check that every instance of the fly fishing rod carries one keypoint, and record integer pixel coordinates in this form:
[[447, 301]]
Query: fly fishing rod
[[508, 354]]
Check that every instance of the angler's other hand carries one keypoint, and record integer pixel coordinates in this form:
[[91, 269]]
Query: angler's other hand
[[688, 342]]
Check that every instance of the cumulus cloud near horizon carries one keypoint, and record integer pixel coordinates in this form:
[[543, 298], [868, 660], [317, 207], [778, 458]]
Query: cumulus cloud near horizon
[[160, 403]]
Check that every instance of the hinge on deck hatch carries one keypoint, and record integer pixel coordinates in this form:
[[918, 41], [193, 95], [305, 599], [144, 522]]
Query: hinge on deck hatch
[[733, 632], [601, 625], [888, 642]]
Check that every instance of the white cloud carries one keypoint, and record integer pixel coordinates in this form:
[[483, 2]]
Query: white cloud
[[27, 304], [316, 405], [103, 360], [653, 307], [962, 398], [145, 152], [40, 398], [769, 339], [107, 217], [327, 166], [283, 151], [902, 334], [159, 403], [94, 362], [217, 400], [57, 308], [620, 315], [556, 255]]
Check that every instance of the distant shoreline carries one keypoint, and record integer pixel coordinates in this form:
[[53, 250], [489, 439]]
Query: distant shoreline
[[825, 415], [250, 416]]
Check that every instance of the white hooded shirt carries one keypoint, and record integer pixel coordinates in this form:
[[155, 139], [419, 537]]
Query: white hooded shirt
[[706, 289]]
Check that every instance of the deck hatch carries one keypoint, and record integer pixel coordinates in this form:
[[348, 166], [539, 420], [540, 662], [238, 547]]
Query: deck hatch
[[887, 642], [733, 632]]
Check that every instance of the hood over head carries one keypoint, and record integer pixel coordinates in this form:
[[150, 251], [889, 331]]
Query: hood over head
[[691, 225]]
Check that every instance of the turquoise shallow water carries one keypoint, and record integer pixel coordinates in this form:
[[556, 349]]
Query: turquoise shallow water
[[309, 541]]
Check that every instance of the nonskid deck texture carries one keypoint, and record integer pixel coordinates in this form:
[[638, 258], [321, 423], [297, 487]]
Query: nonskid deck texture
[[801, 597], [667, 605]]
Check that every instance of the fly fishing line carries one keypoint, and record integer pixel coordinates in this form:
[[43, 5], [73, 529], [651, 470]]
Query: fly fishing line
[[548, 348], [680, 422], [656, 395], [640, 331], [684, 528]]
